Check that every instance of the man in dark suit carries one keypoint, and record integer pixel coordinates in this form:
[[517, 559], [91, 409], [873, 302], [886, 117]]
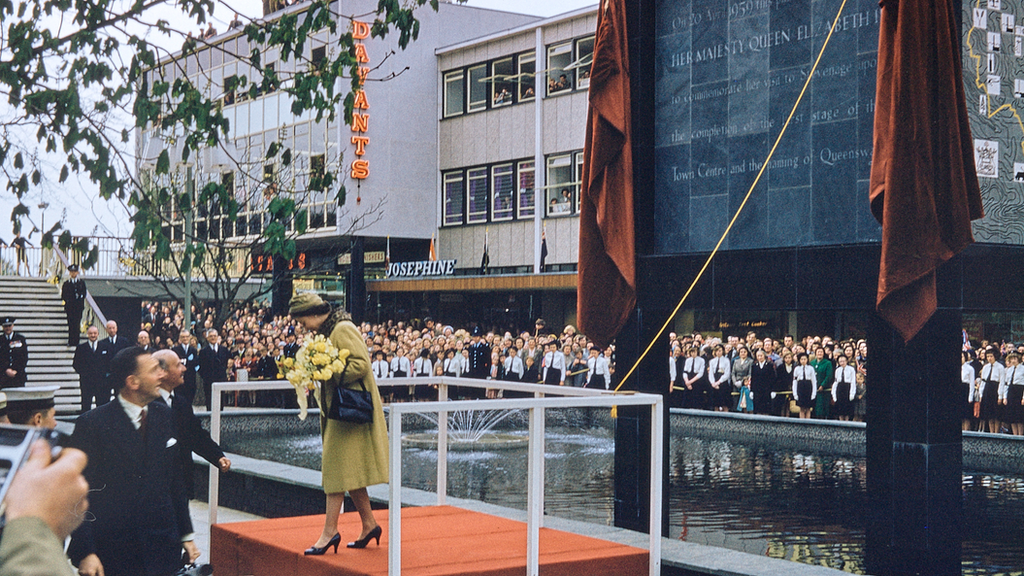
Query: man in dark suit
[[139, 518], [73, 294], [213, 363], [142, 341], [110, 346], [91, 365], [192, 437], [187, 352], [13, 356]]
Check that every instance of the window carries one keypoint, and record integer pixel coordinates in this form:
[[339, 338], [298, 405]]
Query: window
[[477, 197], [527, 70], [317, 167], [268, 173], [477, 88], [316, 211], [561, 186], [503, 181], [503, 84], [317, 56], [559, 58], [569, 65], [229, 89], [584, 58], [454, 193], [454, 93], [526, 190], [491, 84], [508, 191]]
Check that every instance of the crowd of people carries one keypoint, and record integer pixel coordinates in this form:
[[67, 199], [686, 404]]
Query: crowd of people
[[814, 377], [993, 388], [255, 340]]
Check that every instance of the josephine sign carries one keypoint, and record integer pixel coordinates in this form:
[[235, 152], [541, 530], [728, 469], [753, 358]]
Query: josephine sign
[[360, 118], [422, 268]]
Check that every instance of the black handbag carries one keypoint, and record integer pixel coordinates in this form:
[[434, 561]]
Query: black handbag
[[355, 406]]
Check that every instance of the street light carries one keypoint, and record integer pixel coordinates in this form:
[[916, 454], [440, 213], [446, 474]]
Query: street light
[[42, 222]]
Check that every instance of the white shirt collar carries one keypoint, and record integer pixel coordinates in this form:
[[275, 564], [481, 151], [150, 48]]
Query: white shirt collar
[[165, 395], [134, 411]]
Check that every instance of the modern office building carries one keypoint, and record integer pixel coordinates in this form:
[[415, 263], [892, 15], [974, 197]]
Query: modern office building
[[467, 138]]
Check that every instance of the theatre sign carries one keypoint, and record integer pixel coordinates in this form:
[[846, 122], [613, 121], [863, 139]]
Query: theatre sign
[[422, 268]]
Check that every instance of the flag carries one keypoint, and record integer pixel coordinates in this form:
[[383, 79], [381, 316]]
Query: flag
[[924, 187], [606, 290], [486, 260], [543, 249], [433, 249]]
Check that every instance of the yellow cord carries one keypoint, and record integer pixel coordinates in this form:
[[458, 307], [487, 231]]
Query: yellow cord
[[742, 204]]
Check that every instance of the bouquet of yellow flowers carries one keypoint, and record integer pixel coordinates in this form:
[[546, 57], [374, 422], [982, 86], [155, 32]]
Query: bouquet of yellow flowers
[[315, 363]]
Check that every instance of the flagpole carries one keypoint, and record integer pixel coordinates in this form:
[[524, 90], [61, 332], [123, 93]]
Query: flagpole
[[539, 175]]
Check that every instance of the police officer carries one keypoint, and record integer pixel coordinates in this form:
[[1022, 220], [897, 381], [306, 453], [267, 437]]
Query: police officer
[[13, 356], [291, 347], [479, 361], [73, 293]]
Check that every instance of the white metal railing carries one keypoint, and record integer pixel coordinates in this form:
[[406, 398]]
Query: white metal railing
[[215, 410], [570, 398]]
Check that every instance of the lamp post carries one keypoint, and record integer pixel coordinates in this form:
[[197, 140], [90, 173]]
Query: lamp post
[[42, 222], [190, 189], [44, 253]]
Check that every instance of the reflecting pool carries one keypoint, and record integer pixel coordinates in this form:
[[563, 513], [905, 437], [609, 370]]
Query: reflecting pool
[[797, 505]]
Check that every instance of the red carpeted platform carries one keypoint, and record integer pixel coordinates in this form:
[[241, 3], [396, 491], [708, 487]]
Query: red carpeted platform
[[436, 541]]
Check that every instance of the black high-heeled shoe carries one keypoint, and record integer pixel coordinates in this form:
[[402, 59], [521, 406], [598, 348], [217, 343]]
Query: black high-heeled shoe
[[373, 535], [334, 541]]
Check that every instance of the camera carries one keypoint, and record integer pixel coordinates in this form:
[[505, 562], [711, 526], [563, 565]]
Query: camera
[[15, 446]]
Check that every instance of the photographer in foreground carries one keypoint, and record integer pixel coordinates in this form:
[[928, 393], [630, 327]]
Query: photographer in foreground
[[45, 503]]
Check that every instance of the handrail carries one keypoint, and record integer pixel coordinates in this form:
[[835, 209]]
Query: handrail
[[572, 398]]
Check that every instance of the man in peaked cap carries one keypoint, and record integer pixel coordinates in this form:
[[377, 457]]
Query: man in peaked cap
[[479, 361], [32, 406], [73, 294], [13, 356]]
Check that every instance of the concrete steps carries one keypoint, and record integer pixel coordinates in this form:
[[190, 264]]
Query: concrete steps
[[37, 306]]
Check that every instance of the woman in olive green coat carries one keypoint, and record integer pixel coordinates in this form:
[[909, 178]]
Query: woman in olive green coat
[[355, 455]]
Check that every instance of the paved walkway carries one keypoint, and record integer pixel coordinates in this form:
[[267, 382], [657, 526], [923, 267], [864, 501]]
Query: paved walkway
[[201, 524]]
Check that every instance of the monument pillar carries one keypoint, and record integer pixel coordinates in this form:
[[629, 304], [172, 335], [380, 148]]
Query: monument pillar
[[914, 449], [633, 424]]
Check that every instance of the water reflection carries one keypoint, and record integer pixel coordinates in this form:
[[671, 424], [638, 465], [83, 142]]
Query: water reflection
[[795, 505]]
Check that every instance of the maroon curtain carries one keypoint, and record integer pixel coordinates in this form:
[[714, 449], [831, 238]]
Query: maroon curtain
[[606, 292], [924, 188]]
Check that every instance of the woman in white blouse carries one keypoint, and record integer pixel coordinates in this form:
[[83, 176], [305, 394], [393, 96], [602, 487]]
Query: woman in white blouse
[[805, 386], [989, 380], [967, 380], [720, 376], [844, 389]]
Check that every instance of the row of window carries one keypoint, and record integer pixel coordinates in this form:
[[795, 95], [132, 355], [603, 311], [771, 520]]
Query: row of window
[[503, 192], [510, 80], [211, 222]]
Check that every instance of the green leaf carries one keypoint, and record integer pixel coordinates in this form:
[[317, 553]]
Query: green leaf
[[163, 162]]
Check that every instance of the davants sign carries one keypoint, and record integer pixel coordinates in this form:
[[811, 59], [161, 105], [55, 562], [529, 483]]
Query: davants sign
[[422, 268], [360, 117]]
